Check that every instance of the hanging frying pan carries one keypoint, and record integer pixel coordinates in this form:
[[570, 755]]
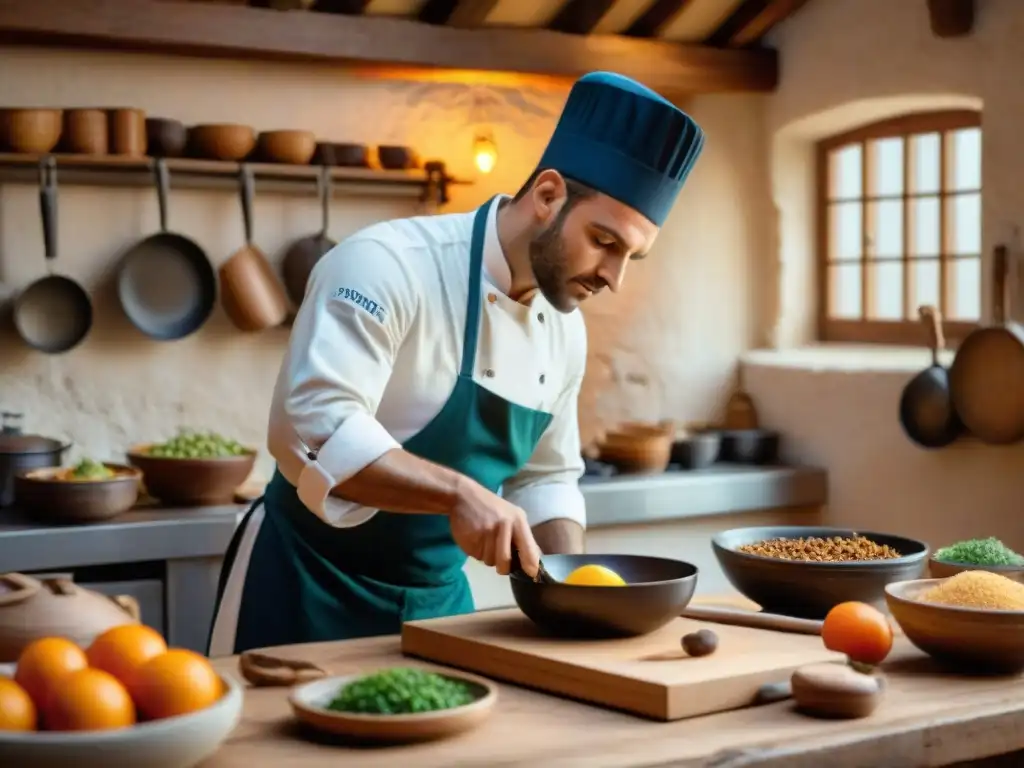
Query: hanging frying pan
[[166, 284], [926, 407], [987, 376], [302, 255], [54, 314]]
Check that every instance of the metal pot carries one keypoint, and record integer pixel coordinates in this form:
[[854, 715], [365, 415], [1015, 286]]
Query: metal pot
[[20, 452]]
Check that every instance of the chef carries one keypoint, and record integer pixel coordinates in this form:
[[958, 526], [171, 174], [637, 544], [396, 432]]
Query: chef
[[425, 411]]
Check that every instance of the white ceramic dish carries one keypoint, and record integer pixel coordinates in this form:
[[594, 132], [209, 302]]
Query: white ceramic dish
[[177, 742], [309, 704]]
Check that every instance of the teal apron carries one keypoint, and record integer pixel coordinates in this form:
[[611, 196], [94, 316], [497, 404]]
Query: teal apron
[[308, 581]]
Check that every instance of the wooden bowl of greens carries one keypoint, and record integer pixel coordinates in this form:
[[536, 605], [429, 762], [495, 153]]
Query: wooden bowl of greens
[[88, 492], [193, 469], [977, 555], [395, 705]]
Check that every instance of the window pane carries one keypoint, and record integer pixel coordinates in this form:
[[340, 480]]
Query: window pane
[[887, 166], [925, 161], [924, 285], [844, 291], [965, 223], [925, 232], [887, 220], [887, 284], [846, 231], [845, 172], [966, 158], [967, 289]]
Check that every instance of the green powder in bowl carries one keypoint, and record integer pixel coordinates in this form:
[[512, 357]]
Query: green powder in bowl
[[990, 551]]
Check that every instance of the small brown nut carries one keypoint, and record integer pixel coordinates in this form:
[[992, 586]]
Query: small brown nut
[[703, 642]]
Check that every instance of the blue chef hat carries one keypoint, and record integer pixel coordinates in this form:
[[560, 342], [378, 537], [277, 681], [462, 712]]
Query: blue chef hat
[[623, 139]]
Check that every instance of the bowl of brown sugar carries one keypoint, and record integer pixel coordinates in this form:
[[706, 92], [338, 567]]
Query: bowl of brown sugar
[[805, 571], [971, 622]]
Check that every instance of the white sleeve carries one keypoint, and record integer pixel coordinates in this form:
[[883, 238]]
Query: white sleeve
[[547, 487], [358, 307]]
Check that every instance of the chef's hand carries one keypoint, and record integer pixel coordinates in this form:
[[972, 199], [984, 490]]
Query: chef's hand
[[487, 527]]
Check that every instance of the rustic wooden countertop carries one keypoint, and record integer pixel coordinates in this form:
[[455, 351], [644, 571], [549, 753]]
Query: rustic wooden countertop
[[928, 718]]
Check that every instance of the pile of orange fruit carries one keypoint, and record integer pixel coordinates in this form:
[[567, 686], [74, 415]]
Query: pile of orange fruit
[[127, 675]]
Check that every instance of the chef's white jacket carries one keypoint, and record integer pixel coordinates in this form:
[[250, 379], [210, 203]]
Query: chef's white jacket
[[376, 349]]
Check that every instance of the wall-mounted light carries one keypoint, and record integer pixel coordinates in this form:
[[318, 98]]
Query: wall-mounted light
[[485, 152]]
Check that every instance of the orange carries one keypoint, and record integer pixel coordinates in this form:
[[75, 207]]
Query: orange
[[88, 700], [17, 712], [122, 650], [44, 662], [860, 631], [175, 683]]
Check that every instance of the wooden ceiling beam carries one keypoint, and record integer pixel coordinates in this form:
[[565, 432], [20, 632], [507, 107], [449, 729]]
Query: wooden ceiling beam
[[751, 21], [457, 13], [202, 29], [655, 18], [951, 18], [580, 17]]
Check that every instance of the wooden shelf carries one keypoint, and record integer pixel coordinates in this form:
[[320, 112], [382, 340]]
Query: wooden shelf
[[186, 173]]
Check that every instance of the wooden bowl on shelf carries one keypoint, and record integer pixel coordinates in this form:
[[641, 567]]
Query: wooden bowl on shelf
[[964, 639], [221, 141], [638, 448], [165, 137], [192, 482], [289, 147], [30, 131], [48, 495]]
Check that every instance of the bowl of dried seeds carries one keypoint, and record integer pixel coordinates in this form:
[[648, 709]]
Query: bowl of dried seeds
[[805, 571]]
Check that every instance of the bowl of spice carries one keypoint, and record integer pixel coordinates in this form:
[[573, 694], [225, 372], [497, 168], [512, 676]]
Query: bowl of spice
[[805, 571], [977, 555], [395, 705], [972, 622]]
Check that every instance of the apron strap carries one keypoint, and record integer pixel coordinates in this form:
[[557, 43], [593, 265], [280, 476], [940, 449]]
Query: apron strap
[[476, 261]]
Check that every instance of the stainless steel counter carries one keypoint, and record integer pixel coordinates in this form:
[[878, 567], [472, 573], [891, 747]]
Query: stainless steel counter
[[191, 542]]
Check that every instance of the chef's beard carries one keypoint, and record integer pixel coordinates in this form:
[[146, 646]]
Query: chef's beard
[[548, 262]]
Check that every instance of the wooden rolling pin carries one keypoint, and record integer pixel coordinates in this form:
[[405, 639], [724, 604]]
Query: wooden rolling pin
[[752, 619]]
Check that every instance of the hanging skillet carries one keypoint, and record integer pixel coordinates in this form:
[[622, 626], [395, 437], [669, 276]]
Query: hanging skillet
[[303, 254], [166, 284], [926, 407], [987, 376], [54, 314]]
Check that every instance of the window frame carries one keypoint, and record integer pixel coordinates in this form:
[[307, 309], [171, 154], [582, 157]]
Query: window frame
[[906, 332]]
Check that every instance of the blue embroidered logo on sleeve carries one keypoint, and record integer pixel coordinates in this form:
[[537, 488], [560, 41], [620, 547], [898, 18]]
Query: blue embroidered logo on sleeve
[[363, 302]]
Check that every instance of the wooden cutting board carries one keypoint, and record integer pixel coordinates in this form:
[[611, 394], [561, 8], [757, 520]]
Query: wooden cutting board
[[649, 675]]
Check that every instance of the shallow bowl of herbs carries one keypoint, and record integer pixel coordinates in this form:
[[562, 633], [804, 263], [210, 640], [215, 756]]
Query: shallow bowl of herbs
[[976, 555], [395, 705]]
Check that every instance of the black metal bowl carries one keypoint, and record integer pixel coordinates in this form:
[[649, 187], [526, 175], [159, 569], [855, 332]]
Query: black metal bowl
[[810, 589], [657, 590]]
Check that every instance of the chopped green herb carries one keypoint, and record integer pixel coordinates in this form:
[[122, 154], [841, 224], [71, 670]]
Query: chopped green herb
[[87, 469], [401, 691], [990, 551]]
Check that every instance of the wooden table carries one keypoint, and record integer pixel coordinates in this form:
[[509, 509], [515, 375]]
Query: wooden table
[[928, 718]]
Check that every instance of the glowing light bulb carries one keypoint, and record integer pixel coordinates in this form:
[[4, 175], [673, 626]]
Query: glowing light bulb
[[485, 153]]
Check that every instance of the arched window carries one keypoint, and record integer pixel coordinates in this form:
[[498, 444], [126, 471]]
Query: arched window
[[899, 226]]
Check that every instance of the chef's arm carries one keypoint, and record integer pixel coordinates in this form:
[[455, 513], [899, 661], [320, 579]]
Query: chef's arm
[[547, 488], [359, 305]]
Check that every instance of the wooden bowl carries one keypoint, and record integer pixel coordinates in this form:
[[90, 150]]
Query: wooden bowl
[[396, 158], [174, 742], [291, 147], [221, 141], [309, 704], [192, 482], [637, 448], [939, 569], [46, 496], [30, 131], [965, 639]]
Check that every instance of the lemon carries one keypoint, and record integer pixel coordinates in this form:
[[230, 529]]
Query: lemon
[[594, 576]]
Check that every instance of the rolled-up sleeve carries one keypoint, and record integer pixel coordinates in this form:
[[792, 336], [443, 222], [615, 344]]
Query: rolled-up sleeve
[[547, 487], [358, 307]]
